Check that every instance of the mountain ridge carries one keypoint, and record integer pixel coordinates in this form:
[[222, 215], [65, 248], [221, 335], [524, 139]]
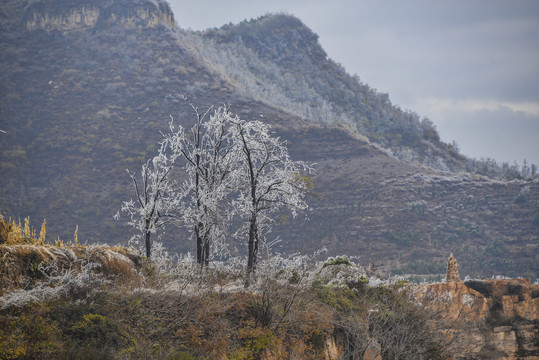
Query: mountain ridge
[[298, 76]]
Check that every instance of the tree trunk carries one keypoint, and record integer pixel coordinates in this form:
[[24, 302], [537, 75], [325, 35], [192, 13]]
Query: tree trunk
[[148, 244], [253, 245], [203, 251], [203, 247], [206, 253], [200, 247]]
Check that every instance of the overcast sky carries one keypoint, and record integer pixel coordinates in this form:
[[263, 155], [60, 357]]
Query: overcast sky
[[472, 67]]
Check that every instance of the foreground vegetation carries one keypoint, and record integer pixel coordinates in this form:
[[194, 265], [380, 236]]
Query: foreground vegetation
[[110, 303]]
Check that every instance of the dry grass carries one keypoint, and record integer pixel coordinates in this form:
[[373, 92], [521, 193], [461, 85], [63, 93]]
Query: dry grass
[[22, 265], [25, 257]]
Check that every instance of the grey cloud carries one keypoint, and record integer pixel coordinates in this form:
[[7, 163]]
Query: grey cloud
[[491, 58], [502, 134]]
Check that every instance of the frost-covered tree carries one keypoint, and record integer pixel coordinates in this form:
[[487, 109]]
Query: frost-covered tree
[[156, 196], [232, 168], [267, 180], [207, 150]]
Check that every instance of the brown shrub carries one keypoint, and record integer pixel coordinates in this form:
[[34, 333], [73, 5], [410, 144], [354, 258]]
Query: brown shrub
[[113, 263], [25, 263], [20, 263]]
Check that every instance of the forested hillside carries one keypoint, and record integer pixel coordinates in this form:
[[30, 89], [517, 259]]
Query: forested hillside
[[86, 88]]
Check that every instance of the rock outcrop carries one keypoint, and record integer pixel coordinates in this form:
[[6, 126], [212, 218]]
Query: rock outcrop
[[67, 16], [492, 318], [452, 270]]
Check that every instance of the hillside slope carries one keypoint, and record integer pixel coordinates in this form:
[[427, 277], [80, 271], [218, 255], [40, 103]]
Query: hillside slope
[[85, 89]]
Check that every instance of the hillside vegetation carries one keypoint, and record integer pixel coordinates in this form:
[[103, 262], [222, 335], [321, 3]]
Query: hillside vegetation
[[278, 60], [102, 302]]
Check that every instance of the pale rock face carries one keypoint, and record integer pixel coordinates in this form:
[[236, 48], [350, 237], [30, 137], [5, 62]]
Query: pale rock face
[[73, 19], [152, 18], [80, 17], [527, 309], [528, 335], [504, 339], [331, 350], [455, 299]]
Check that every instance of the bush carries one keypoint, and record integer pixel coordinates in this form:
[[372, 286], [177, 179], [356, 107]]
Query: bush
[[291, 307], [100, 335], [28, 333], [342, 299], [339, 260], [520, 199]]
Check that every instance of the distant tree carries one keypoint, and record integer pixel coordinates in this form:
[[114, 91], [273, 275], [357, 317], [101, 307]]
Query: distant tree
[[267, 180], [454, 147], [525, 170], [156, 196], [429, 131]]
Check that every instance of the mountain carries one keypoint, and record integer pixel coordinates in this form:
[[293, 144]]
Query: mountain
[[85, 88], [278, 60]]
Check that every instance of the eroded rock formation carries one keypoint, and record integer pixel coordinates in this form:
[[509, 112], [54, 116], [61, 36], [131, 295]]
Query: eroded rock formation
[[492, 319], [452, 270]]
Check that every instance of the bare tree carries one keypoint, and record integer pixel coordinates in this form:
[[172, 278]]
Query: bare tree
[[208, 153], [156, 196], [233, 168], [267, 180]]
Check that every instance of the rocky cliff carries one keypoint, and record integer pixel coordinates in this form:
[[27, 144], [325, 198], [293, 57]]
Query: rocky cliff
[[479, 319], [69, 15], [494, 319]]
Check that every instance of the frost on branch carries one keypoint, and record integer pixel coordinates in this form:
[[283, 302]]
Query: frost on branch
[[234, 171], [57, 283], [207, 152], [234, 168], [156, 198], [267, 180]]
